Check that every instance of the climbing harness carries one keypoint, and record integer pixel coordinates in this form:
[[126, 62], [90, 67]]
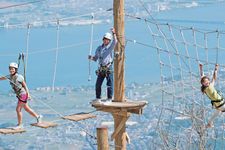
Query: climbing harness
[[104, 71]]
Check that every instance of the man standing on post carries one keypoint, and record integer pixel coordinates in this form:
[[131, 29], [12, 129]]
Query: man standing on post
[[104, 56]]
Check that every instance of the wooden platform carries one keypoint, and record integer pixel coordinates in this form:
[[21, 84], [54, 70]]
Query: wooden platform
[[11, 130], [129, 106], [78, 117], [44, 124]]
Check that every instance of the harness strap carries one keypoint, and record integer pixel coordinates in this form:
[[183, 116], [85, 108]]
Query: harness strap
[[214, 101], [221, 105], [107, 65]]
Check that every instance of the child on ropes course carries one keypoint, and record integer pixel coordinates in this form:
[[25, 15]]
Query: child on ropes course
[[216, 98], [20, 88]]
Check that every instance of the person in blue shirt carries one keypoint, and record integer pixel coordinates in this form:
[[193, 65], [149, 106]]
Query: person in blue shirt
[[104, 55]]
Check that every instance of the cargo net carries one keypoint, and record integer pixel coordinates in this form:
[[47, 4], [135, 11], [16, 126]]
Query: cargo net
[[184, 110]]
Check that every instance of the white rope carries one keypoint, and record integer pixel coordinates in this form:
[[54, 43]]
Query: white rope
[[206, 51], [27, 44], [91, 47], [166, 42], [56, 57], [179, 63], [62, 48]]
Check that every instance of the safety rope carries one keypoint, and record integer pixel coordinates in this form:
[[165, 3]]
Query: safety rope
[[27, 45], [61, 48], [56, 56], [21, 56], [21, 4], [91, 46]]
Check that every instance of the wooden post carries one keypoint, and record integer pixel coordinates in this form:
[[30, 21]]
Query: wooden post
[[102, 138], [119, 88]]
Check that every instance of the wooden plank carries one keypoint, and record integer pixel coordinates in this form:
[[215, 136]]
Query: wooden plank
[[11, 130], [125, 105], [44, 124], [113, 107], [78, 117]]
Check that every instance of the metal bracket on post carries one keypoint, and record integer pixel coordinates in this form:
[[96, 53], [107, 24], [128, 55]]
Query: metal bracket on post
[[116, 54]]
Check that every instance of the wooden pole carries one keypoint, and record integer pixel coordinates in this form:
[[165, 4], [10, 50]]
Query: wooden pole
[[119, 88], [119, 82], [102, 138]]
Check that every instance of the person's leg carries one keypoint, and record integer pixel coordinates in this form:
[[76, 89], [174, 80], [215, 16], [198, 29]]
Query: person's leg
[[212, 118], [109, 86], [19, 112], [98, 86], [30, 111]]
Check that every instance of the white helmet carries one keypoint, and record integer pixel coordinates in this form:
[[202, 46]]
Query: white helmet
[[14, 65], [108, 36]]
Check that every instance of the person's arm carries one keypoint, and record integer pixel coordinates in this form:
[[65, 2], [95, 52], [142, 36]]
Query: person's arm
[[215, 74], [114, 42], [95, 57], [114, 35], [3, 78]]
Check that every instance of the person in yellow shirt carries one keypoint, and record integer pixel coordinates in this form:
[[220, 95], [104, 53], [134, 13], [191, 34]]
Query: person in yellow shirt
[[216, 98]]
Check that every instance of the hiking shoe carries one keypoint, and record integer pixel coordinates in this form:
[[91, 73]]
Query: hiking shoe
[[39, 119], [18, 127]]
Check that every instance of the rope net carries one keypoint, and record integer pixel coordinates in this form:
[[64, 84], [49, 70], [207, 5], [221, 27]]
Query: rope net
[[184, 110]]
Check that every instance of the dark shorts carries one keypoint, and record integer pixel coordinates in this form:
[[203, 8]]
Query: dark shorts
[[23, 97]]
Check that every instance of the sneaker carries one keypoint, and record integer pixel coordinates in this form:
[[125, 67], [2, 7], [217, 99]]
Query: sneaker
[[18, 127], [109, 100], [97, 100], [39, 119]]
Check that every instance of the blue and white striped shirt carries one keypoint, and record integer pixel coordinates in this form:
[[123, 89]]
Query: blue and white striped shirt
[[104, 53]]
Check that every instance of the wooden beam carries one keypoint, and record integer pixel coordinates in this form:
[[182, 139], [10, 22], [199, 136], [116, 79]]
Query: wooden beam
[[138, 111], [119, 127], [120, 140]]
